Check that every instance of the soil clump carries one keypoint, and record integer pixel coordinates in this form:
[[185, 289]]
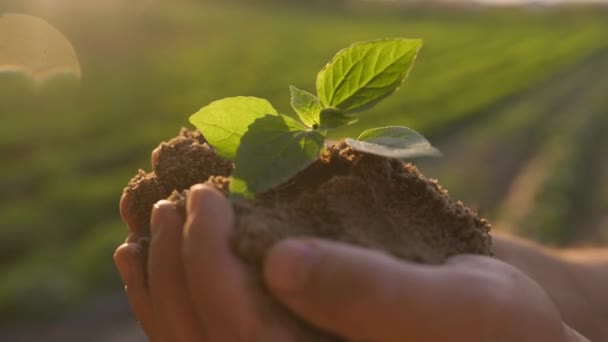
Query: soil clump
[[345, 195]]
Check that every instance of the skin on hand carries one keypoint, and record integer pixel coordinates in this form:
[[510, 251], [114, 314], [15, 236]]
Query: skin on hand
[[198, 291], [367, 295], [575, 279]]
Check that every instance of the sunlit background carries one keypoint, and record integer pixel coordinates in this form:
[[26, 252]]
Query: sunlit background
[[516, 97]]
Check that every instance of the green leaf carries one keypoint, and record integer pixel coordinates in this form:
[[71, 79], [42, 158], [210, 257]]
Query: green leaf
[[334, 118], [224, 122], [394, 142], [362, 75], [306, 105], [272, 151]]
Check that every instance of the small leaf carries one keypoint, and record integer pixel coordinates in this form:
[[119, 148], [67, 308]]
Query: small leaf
[[224, 122], [306, 105], [362, 75], [272, 151], [394, 142], [334, 118]]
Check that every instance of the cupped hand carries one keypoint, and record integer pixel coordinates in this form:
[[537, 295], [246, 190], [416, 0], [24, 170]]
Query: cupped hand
[[192, 288], [365, 295], [199, 291]]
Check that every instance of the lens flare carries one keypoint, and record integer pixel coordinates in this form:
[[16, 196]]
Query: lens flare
[[31, 46]]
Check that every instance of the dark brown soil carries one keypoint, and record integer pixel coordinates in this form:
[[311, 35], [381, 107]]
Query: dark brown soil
[[345, 195], [178, 164]]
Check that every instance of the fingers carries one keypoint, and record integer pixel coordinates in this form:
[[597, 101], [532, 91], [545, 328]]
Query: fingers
[[353, 292], [130, 264], [134, 231], [167, 282], [210, 267], [361, 294], [124, 210], [217, 280]]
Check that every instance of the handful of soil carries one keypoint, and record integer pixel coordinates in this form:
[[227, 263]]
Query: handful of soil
[[345, 195]]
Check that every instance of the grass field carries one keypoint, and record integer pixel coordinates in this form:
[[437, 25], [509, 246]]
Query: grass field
[[509, 95]]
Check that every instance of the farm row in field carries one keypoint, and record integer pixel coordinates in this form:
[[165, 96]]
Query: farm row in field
[[592, 228], [482, 157], [551, 197]]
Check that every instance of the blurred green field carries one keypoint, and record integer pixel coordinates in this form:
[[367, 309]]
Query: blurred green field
[[519, 82]]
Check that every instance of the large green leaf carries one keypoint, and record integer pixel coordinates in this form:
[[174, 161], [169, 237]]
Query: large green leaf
[[272, 151], [224, 122], [306, 105], [360, 76], [394, 142]]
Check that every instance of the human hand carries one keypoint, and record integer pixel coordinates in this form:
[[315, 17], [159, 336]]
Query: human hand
[[365, 295], [196, 289]]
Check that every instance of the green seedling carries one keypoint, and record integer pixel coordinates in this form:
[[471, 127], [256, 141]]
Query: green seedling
[[269, 148]]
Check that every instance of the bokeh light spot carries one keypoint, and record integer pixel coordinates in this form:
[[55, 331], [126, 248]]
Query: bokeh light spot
[[31, 46]]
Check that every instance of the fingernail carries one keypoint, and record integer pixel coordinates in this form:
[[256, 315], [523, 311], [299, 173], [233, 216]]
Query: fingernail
[[290, 264], [120, 262], [126, 264], [195, 196], [159, 216]]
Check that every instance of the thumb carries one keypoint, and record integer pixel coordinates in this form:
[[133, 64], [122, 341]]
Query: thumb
[[356, 293]]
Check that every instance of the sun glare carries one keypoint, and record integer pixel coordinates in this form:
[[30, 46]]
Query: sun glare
[[31, 46]]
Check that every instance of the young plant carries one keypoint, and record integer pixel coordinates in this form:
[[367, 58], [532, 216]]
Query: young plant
[[269, 148]]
